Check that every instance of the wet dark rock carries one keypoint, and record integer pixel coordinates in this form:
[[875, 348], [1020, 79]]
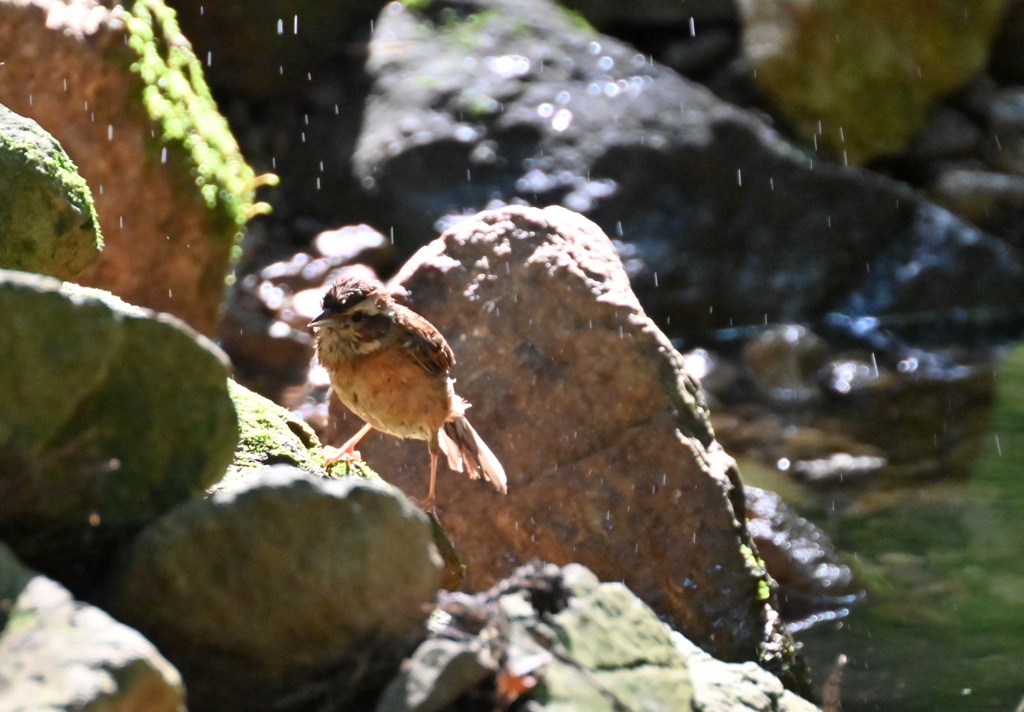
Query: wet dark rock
[[947, 134], [993, 201], [701, 54], [550, 638], [300, 43], [283, 590], [607, 15], [815, 584], [896, 59], [61, 654], [719, 220], [112, 415], [603, 434], [123, 93], [47, 220], [1007, 61]]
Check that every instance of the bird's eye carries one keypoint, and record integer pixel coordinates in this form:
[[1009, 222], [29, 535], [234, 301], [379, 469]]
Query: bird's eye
[[357, 317]]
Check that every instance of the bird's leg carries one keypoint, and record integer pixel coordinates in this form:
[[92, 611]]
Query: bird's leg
[[428, 503], [348, 450]]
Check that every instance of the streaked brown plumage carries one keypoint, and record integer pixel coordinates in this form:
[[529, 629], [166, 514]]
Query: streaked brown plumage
[[389, 366]]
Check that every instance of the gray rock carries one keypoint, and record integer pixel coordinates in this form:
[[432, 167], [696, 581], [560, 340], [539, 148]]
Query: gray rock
[[719, 221], [60, 655], [555, 638], [47, 220], [112, 415], [735, 687], [283, 589]]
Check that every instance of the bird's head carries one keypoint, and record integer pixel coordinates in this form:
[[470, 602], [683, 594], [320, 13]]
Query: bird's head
[[356, 311]]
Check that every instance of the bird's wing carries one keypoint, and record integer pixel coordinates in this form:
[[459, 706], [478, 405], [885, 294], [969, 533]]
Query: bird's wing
[[424, 342]]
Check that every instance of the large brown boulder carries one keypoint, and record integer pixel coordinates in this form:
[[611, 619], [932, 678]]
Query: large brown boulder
[[610, 457], [124, 95]]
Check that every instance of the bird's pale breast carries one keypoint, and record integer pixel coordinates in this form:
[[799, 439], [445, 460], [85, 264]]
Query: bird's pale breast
[[393, 393]]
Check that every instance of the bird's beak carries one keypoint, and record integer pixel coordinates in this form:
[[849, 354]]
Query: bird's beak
[[322, 319]]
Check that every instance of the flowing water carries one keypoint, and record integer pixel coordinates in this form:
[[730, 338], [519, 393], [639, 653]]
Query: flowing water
[[942, 626]]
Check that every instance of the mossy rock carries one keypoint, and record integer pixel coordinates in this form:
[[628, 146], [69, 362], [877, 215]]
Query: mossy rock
[[112, 415], [272, 435], [47, 220]]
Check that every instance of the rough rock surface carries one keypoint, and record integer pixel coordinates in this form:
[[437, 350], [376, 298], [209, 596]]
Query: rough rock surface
[[47, 220], [720, 222], [824, 63], [112, 415], [558, 639], [59, 654], [122, 92], [610, 457], [283, 590]]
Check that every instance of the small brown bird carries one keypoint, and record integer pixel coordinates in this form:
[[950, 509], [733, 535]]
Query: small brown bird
[[389, 366]]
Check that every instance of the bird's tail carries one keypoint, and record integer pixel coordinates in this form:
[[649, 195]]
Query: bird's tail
[[466, 451]]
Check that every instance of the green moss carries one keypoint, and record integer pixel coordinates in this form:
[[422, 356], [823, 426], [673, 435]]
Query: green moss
[[48, 222], [177, 99], [270, 435], [419, 5]]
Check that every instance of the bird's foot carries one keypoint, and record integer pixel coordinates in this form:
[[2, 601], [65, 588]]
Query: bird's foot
[[342, 454], [427, 504]]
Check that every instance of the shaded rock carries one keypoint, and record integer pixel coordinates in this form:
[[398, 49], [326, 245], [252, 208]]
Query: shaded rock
[[947, 134], [1004, 118], [719, 221], [112, 415], [991, 200], [1007, 61], [557, 639], [815, 584], [123, 93], [59, 654], [283, 590], [300, 43], [47, 220], [654, 14], [784, 363], [822, 63], [604, 437]]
